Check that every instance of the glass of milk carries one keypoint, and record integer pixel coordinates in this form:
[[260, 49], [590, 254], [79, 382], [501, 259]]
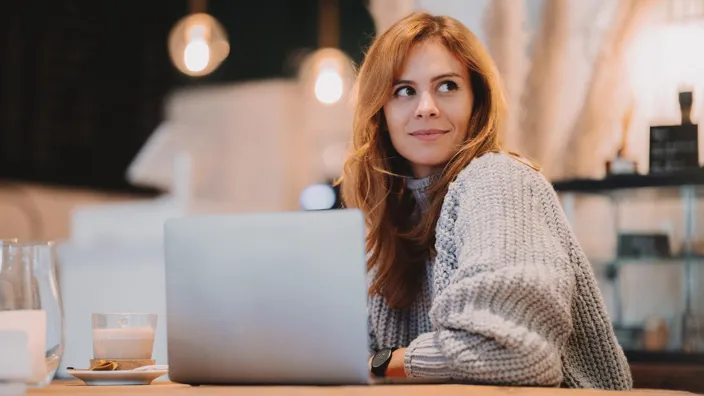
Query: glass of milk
[[123, 335], [30, 302]]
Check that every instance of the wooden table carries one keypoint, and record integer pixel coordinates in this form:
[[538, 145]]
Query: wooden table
[[165, 388]]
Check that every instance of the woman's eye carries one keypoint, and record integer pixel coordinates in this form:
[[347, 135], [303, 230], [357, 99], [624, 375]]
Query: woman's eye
[[447, 86], [404, 91]]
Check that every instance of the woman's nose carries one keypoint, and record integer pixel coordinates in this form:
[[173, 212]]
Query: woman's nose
[[426, 106]]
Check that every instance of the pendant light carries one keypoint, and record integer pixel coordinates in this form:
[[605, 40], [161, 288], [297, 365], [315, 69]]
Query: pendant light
[[328, 71], [198, 43]]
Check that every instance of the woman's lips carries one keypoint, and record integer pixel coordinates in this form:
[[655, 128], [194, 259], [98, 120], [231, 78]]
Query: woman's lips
[[428, 134]]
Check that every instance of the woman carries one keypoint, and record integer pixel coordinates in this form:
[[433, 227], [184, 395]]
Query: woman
[[474, 272]]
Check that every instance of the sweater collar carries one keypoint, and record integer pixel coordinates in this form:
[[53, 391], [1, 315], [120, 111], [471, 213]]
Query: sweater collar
[[419, 188]]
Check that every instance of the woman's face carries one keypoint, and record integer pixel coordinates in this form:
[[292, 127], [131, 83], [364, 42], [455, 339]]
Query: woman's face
[[428, 113]]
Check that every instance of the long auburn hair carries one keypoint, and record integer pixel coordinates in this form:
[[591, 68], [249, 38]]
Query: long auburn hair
[[374, 176]]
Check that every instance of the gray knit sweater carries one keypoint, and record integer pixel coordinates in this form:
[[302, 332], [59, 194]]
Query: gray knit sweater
[[510, 297]]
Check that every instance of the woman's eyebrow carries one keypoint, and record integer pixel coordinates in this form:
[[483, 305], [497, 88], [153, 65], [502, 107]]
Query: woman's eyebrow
[[438, 77]]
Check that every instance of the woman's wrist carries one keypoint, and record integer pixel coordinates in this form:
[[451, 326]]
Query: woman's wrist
[[396, 367]]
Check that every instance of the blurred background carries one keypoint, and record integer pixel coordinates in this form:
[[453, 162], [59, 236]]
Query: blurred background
[[115, 116]]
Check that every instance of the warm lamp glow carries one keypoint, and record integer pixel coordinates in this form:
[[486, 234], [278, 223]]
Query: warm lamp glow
[[328, 86], [329, 74], [197, 53], [198, 45]]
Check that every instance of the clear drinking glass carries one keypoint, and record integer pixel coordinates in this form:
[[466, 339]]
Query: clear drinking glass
[[6, 290], [693, 333], [30, 301], [123, 335]]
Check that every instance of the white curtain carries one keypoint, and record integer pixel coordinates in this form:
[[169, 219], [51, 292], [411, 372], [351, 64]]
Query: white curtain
[[507, 39], [388, 12]]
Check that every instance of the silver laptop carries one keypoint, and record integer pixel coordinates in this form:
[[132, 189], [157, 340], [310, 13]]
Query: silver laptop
[[270, 298]]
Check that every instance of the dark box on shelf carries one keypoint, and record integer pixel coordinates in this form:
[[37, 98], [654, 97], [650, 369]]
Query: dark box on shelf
[[632, 245], [673, 148]]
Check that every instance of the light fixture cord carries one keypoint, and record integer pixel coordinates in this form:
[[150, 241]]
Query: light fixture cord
[[328, 23], [198, 6]]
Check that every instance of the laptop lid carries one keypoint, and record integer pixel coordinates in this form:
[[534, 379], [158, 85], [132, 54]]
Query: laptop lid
[[267, 298]]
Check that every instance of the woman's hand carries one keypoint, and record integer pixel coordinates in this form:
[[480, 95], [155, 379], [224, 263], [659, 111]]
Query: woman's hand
[[396, 366]]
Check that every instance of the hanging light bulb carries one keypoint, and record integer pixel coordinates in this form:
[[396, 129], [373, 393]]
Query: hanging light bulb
[[197, 53], [329, 73], [328, 86], [198, 44]]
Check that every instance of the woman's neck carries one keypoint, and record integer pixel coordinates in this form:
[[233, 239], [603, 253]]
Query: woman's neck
[[423, 171]]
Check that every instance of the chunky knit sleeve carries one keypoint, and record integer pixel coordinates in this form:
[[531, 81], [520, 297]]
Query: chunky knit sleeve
[[504, 316], [371, 339]]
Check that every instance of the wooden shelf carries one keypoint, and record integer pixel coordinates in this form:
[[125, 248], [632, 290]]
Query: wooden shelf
[[623, 182]]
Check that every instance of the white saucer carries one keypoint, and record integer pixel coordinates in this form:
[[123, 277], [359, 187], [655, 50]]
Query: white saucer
[[118, 377]]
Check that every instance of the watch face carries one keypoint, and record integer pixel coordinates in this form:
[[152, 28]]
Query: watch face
[[381, 357]]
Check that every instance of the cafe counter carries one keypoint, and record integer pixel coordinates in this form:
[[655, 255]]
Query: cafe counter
[[65, 388]]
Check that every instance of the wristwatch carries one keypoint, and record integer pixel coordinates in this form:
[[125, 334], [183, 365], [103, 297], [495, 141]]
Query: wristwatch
[[381, 361]]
